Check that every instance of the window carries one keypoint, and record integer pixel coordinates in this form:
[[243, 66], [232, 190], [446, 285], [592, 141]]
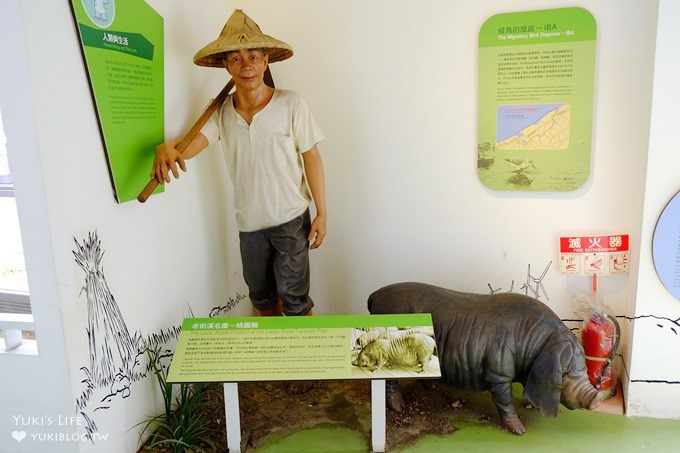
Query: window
[[15, 309]]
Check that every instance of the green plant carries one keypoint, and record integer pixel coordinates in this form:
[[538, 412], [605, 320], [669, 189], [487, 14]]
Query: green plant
[[183, 426]]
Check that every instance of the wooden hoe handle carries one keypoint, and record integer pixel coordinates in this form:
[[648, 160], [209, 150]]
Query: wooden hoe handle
[[189, 137]]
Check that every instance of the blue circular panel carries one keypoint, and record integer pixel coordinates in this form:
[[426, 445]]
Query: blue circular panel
[[666, 246]]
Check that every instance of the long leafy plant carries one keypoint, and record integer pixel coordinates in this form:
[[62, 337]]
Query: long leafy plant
[[183, 426]]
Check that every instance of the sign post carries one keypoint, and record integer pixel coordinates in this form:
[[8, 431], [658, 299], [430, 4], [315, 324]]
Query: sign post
[[594, 255]]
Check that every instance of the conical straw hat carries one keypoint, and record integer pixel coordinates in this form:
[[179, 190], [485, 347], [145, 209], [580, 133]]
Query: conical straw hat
[[241, 32]]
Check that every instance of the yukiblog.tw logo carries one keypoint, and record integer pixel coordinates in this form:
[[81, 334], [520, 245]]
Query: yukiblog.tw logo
[[48, 428]]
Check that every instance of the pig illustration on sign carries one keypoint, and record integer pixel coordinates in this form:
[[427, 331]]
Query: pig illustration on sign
[[487, 342], [389, 333], [412, 352]]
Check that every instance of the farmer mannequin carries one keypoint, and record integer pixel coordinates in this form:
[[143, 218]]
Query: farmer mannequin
[[269, 141]]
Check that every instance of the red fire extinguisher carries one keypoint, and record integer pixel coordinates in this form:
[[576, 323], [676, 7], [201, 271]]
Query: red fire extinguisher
[[600, 338]]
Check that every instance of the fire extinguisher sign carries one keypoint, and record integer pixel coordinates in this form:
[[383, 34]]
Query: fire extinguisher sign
[[594, 255]]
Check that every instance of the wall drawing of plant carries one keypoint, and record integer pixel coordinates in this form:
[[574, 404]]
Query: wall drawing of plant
[[116, 357], [113, 350]]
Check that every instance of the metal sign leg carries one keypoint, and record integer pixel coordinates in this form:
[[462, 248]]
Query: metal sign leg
[[378, 415], [233, 417]]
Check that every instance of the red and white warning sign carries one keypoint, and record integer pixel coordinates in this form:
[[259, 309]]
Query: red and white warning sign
[[594, 255]]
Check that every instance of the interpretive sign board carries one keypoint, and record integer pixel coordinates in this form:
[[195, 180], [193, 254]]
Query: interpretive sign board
[[305, 347], [122, 44], [536, 81], [594, 255]]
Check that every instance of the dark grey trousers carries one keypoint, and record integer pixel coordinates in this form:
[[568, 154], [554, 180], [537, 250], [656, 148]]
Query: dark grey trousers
[[276, 265]]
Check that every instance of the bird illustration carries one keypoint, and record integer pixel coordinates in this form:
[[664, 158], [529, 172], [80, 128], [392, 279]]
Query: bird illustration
[[520, 165]]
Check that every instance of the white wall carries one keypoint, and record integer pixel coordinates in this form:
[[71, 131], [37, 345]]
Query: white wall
[[32, 386], [175, 252], [393, 85], [655, 345]]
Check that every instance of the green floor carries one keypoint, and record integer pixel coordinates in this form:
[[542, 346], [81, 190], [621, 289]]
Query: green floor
[[572, 431]]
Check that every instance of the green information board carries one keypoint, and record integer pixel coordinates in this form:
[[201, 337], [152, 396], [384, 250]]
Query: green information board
[[122, 44], [536, 79], [305, 347]]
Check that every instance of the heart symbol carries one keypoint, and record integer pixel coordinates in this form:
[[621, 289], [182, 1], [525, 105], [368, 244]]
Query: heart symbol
[[18, 435]]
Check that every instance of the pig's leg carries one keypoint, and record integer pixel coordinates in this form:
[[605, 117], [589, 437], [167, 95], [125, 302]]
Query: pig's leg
[[502, 397], [379, 364], [395, 400], [423, 360]]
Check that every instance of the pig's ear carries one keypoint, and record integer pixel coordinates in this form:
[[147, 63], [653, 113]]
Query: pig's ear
[[543, 387]]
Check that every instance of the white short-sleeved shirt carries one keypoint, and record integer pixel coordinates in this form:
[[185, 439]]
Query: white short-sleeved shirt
[[264, 158]]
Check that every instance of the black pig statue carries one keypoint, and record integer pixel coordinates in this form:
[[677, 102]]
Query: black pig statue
[[487, 342]]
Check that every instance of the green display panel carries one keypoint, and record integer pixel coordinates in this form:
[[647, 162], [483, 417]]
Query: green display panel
[[305, 347], [536, 79], [122, 44]]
